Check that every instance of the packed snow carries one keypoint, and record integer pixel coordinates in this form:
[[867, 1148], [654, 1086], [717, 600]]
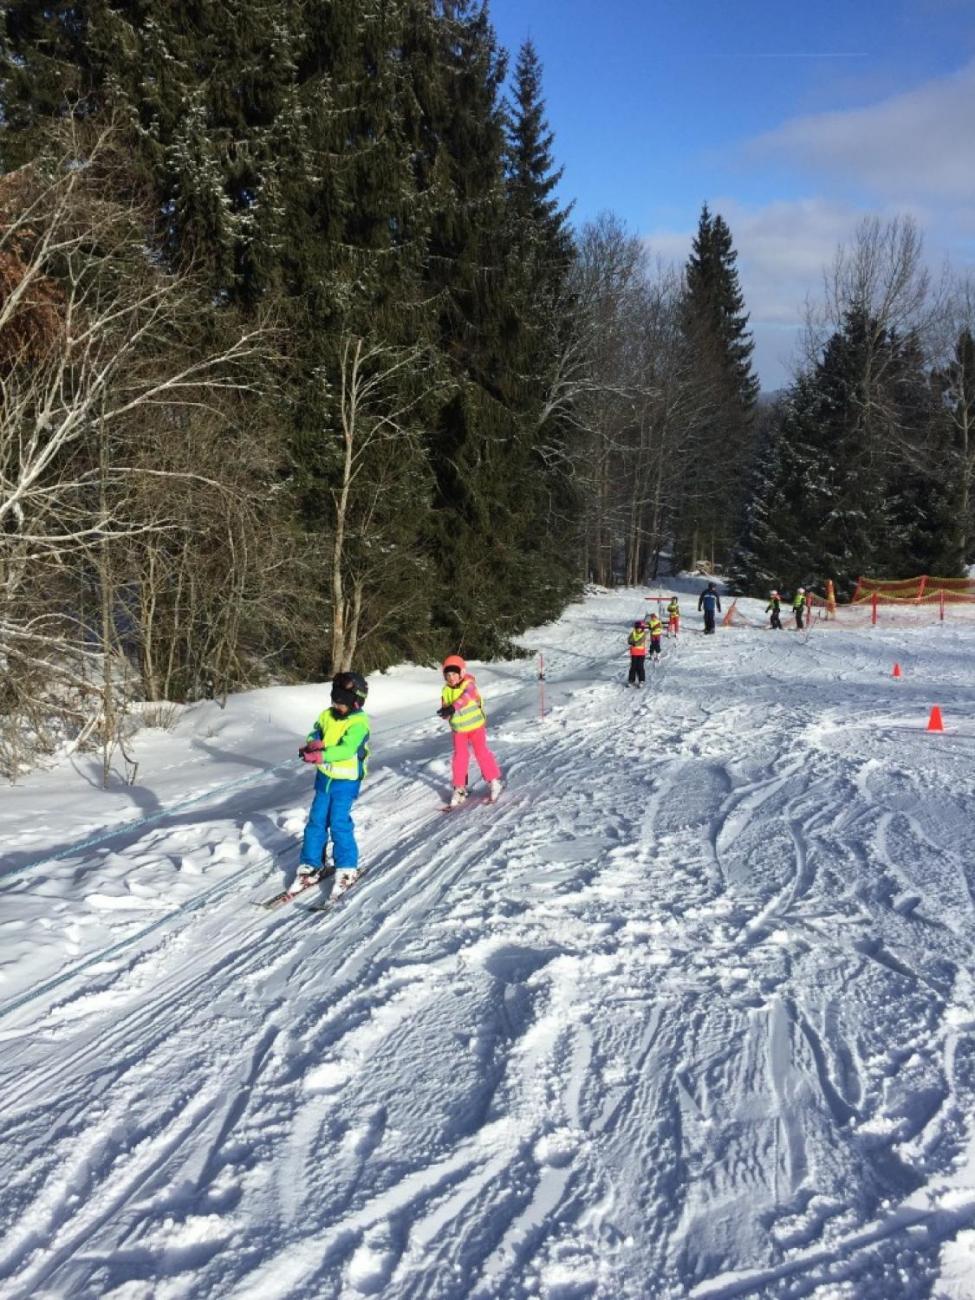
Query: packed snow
[[689, 1013]]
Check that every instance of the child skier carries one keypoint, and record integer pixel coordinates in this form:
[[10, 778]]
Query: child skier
[[461, 706], [798, 607], [637, 643], [673, 616], [656, 630], [773, 608], [338, 746]]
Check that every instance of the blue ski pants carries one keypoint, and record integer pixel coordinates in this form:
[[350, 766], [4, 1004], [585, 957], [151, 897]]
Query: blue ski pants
[[331, 814]]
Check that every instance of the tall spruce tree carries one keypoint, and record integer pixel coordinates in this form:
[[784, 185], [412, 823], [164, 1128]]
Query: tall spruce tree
[[44, 71], [719, 348], [344, 168], [954, 385], [474, 537], [841, 488], [539, 320], [532, 175]]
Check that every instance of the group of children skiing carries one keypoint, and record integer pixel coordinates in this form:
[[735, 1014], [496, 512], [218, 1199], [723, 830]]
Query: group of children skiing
[[799, 606], [338, 747], [650, 627], [644, 641], [338, 743]]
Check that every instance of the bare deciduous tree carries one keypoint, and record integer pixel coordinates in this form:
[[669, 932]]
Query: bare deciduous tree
[[381, 471], [99, 347]]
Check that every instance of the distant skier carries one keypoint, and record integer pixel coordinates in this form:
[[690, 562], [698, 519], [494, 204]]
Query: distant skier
[[673, 616], [709, 601], [656, 630], [637, 643], [799, 607], [338, 746], [461, 706], [774, 607]]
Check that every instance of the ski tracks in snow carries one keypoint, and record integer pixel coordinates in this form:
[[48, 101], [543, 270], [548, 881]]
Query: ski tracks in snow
[[688, 1013]]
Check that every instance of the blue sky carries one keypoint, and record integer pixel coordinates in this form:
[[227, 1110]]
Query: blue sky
[[792, 120]]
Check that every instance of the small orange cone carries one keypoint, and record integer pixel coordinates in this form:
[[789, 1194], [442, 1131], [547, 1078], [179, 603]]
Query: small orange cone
[[934, 722], [897, 671]]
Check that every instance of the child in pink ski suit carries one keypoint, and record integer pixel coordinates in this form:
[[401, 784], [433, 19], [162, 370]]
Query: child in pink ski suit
[[460, 705]]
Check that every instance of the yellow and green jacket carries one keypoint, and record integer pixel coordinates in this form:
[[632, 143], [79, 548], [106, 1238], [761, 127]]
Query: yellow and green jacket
[[468, 712], [345, 751]]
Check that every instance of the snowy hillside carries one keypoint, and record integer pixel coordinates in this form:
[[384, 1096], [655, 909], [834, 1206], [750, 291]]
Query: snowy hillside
[[689, 1013]]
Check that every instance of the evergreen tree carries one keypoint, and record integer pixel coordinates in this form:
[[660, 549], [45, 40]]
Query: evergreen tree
[[44, 71], [477, 538], [535, 334], [715, 306], [954, 387], [531, 172], [719, 348], [344, 169], [842, 486]]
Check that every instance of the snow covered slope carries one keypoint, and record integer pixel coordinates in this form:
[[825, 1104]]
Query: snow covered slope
[[689, 1013]]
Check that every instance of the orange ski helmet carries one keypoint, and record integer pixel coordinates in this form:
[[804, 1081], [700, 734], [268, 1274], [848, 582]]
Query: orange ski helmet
[[454, 661]]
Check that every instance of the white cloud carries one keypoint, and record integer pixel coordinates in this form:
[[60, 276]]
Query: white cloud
[[914, 146], [911, 154]]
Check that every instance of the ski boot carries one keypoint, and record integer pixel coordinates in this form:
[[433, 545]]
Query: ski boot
[[345, 878]]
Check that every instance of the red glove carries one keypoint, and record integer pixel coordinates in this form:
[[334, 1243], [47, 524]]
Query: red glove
[[312, 752]]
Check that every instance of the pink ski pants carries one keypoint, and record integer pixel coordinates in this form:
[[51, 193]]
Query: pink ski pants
[[486, 761]]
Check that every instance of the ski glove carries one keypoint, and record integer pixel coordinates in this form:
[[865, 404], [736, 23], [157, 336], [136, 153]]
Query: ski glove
[[312, 752], [447, 711]]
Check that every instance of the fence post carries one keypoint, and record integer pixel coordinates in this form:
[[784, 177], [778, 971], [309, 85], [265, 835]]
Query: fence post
[[873, 612], [941, 602], [541, 686]]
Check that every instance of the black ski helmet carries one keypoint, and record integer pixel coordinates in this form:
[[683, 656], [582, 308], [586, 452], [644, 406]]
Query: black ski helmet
[[355, 683]]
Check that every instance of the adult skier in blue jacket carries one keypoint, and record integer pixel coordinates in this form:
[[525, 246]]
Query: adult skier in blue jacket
[[709, 601]]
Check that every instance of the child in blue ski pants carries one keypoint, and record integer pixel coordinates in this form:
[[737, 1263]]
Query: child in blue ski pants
[[331, 814]]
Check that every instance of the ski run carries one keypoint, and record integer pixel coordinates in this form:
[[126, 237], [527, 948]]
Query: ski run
[[688, 1013]]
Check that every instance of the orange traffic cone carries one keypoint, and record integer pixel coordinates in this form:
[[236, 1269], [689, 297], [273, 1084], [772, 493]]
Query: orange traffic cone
[[897, 671], [934, 722]]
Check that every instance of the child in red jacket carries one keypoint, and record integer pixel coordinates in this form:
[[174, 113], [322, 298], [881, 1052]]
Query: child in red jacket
[[637, 643]]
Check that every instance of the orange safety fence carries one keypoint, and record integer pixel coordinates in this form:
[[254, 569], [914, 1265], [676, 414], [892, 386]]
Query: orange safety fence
[[923, 589], [909, 600], [935, 605]]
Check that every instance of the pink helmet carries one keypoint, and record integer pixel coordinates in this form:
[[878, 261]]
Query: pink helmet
[[454, 661]]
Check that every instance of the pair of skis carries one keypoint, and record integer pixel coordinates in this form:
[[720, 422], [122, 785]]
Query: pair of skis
[[474, 801], [304, 883], [300, 885]]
